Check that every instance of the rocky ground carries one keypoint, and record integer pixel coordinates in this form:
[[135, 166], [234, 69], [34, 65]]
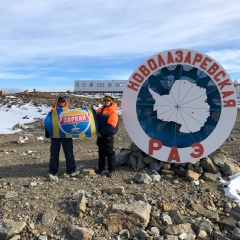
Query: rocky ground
[[90, 206]]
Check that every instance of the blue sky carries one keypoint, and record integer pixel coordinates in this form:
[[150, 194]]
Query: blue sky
[[47, 44]]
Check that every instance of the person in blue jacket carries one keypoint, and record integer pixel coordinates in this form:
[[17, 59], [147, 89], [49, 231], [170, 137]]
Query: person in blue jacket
[[107, 121]]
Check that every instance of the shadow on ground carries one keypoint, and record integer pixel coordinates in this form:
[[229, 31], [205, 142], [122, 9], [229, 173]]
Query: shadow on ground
[[39, 169]]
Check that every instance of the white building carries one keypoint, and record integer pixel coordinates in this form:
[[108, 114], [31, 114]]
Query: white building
[[99, 86], [236, 83]]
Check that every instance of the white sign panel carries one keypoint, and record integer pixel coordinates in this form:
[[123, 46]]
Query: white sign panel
[[179, 105]]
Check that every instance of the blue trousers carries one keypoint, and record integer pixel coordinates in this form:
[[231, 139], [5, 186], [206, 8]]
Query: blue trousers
[[106, 151], [67, 144]]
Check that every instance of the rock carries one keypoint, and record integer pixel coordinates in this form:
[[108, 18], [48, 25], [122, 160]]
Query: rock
[[178, 229], [133, 162], [9, 228], [79, 232], [155, 166], [142, 178], [141, 197], [155, 231], [218, 158], [114, 190], [87, 172], [167, 172], [127, 216], [124, 234], [192, 176], [230, 168], [155, 177], [17, 127], [236, 234], [203, 225], [148, 160], [81, 203], [140, 163], [122, 157], [212, 177], [208, 165], [176, 217], [11, 194], [166, 219], [228, 221], [183, 236], [179, 171], [48, 217], [22, 139], [43, 237], [202, 235], [206, 213], [219, 236], [169, 206]]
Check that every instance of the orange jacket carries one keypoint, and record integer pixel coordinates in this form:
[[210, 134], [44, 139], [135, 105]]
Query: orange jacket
[[107, 120], [57, 106]]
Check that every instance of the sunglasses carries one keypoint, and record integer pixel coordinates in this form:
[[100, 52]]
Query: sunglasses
[[61, 101]]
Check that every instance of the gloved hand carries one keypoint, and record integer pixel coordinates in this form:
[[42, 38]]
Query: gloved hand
[[93, 107], [47, 134]]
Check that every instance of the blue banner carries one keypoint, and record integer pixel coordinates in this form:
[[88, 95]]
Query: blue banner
[[71, 123]]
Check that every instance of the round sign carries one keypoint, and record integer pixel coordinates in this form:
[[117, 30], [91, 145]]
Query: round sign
[[179, 105]]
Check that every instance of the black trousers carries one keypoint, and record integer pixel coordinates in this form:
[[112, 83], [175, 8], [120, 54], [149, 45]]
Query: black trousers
[[106, 151], [67, 144]]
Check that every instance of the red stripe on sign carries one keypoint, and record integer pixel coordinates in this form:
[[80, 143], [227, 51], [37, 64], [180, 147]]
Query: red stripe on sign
[[74, 119]]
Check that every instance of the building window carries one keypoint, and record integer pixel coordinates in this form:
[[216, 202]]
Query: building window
[[100, 84], [91, 84], [77, 85], [109, 84], [118, 84], [84, 84]]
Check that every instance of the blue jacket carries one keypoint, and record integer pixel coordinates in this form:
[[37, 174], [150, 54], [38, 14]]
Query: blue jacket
[[107, 120]]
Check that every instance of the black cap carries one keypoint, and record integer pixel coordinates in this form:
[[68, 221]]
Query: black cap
[[61, 99], [110, 97]]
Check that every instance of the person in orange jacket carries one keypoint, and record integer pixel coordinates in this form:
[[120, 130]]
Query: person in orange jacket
[[107, 122], [67, 144]]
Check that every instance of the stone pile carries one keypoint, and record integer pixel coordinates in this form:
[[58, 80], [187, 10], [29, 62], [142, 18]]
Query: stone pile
[[207, 168]]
